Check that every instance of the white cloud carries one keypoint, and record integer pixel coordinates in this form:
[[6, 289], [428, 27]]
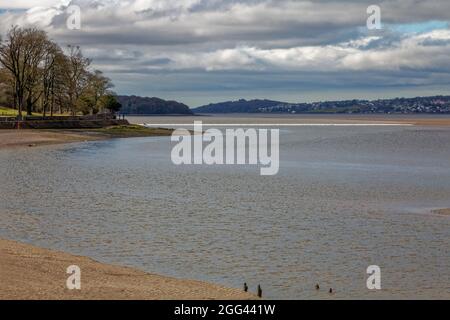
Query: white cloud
[[410, 53], [27, 4]]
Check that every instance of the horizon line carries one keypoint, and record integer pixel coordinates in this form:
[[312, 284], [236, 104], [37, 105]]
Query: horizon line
[[280, 124]]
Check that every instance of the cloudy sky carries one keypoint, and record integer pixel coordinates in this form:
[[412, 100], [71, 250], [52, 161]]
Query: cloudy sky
[[201, 51]]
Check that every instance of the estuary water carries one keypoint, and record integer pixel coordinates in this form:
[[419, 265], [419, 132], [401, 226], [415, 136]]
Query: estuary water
[[345, 198]]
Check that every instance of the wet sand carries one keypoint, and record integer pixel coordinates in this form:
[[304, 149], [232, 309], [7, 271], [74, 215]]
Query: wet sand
[[33, 138], [32, 273], [444, 212]]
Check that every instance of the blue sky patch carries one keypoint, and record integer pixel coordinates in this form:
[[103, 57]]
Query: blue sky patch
[[421, 27]]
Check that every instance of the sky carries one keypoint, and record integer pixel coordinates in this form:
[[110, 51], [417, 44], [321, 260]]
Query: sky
[[203, 51]]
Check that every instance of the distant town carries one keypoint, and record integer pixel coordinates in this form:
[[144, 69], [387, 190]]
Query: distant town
[[433, 104]]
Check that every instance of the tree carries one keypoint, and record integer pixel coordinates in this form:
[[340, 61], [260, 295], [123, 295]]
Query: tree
[[97, 87], [111, 103], [76, 77], [36, 69], [6, 94], [60, 88], [21, 53], [86, 105], [40, 47], [50, 73]]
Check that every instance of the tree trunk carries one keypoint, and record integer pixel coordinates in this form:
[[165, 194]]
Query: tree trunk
[[19, 100], [52, 103], [29, 105]]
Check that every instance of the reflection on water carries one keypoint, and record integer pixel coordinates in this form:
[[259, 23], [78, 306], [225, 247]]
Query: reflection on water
[[345, 198]]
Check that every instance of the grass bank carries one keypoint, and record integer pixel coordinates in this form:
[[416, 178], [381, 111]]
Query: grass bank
[[8, 112], [129, 131]]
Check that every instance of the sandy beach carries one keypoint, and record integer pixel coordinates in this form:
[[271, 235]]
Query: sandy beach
[[32, 138], [28, 272], [444, 212]]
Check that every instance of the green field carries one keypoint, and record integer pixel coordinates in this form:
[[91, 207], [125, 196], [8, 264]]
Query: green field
[[7, 112]]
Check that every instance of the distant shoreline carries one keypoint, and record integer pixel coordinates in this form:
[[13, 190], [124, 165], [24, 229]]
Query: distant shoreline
[[258, 118], [32, 273], [167, 115]]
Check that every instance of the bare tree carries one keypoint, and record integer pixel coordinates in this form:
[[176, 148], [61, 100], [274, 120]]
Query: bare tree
[[76, 77], [21, 54], [38, 70], [6, 85], [50, 73], [97, 87]]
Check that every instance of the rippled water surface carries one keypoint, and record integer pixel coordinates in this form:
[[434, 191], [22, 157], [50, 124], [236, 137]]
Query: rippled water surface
[[345, 198]]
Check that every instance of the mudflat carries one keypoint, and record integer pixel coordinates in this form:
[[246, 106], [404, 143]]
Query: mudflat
[[36, 137], [31, 138], [444, 212]]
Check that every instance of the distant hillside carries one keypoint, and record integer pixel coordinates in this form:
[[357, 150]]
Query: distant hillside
[[240, 106], [144, 106], [434, 104]]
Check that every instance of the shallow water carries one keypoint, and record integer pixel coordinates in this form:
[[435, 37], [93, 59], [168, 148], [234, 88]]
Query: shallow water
[[345, 198]]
